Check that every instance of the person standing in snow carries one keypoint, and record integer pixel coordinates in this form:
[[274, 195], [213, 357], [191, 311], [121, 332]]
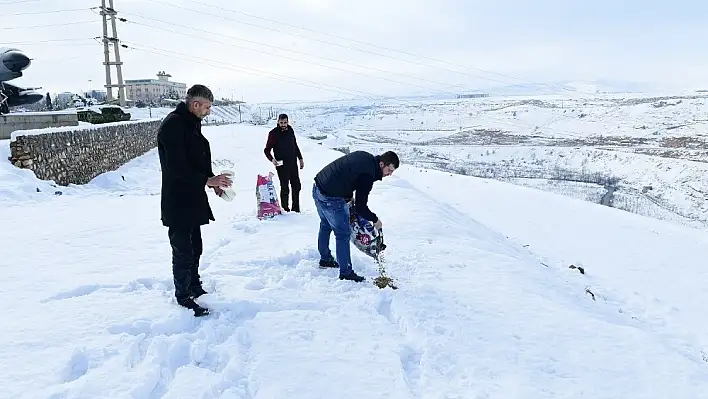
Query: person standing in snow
[[185, 160], [281, 139], [333, 188]]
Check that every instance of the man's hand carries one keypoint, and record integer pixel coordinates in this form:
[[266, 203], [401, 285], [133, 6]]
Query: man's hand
[[218, 191], [302, 163], [378, 224], [275, 162], [219, 181]]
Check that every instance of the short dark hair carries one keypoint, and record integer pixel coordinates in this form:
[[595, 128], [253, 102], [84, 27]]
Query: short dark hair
[[390, 158], [199, 91], [282, 116]]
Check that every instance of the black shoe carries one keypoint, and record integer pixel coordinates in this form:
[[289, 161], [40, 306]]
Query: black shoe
[[198, 291], [352, 277], [190, 304], [329, 263]]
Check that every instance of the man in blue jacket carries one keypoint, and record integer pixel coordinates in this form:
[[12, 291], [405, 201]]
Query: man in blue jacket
[[334, 187]]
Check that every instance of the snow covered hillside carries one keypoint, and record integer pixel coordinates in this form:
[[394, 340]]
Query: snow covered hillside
[[642, 153], [488, 305]]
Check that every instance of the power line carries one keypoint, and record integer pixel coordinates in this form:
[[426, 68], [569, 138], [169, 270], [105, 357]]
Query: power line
[[31, 42], [346, 47], [17, 2], [48, 12], [205, 61], [47, 25], [277, 55], [356, 41], [282, 56], [352, 40], [250, 71], [320, 40]]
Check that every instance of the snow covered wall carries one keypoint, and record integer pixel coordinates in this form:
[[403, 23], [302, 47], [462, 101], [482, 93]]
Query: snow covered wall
[[77, 154]]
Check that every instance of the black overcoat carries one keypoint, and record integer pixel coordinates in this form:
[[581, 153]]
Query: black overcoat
[[185, 159]]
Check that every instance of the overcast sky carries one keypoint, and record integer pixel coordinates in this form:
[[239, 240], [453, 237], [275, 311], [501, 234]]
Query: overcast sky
[[256, 50]]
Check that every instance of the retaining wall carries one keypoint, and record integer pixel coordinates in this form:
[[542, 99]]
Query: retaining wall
[[75, 155]]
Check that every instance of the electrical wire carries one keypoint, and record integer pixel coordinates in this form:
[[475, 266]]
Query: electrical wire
[[372, 44], [218, 64], [318, 40], [250, 71], [47, 12], [283, 56], [339, 89], [192, 10], [352, 48], [32, 42], [47, 25], [6, 3]]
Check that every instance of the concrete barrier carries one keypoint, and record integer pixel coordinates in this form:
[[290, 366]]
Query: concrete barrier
[[35, 120]]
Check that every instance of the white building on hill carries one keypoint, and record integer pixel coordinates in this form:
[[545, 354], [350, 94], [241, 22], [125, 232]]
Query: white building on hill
[[154, 90]]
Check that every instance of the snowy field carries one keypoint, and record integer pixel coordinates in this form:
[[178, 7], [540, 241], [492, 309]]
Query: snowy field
[[488, 306], [651, 148]]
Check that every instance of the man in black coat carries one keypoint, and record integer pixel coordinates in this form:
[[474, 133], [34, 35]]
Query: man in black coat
[[334, 187], [185, 160], [281, 139]]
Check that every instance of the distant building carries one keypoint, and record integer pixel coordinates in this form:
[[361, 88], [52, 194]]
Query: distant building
[[473, 95], [154, 90], [63, 99], [99, 95]]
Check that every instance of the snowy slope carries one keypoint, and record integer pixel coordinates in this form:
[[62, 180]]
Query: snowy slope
[[89, 308], [645, 140]]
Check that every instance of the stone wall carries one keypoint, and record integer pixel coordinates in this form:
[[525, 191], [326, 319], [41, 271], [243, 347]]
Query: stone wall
[[76, 155]]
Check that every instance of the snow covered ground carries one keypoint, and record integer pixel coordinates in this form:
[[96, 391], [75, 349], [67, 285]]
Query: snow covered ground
[[487, 307], [653, 148]]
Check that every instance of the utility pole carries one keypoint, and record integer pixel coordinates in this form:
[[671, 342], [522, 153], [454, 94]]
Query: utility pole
[[105, 12]]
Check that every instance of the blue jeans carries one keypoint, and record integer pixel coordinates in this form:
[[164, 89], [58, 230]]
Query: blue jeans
[[334, 216]]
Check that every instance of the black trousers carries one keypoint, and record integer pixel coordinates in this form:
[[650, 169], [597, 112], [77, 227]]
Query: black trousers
[[289, 176], [187, 247]]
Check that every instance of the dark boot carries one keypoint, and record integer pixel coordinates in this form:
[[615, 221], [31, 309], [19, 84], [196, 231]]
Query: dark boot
[[190, 304], [352, 277]]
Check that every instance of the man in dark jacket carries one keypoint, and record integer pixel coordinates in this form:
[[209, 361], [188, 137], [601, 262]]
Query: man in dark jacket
[[285, 149], [185, 160], [334, 187]]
